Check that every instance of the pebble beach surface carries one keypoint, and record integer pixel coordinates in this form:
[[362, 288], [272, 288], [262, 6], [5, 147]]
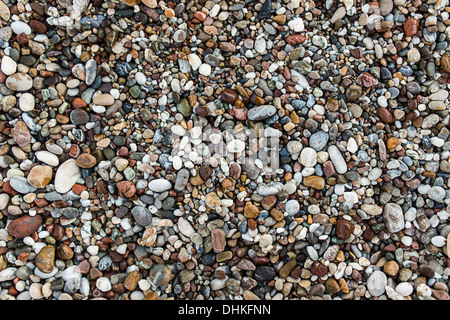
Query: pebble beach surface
[[109, 188]]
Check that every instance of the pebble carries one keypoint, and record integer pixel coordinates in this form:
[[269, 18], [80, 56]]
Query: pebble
[[66, 176], [376, 283], [159, 185], [8, 66], [337, 159], [214, 151], [19, 82], [261, 112]]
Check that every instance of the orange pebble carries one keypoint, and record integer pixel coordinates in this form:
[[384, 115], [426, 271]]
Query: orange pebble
[[79, 103]]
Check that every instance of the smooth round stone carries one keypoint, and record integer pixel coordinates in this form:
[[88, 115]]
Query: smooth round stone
[[179, 36], [86, 161], [352, 146], [45, 259], [212, 60], [374, 174], [292, 207], [376, 283], [19, 82], [8, 66], [159, 185], [79, 117], [294, 147], [140, 78], [160, 275], [318, 140], [40, 176], [437, 194], [178, 130], [66, 176], [36, 291], [308, 157], [405, 289], [413, 55], [205, 70], [26, 102], [439, 241], [236, 146], [24, 226], [103, 284], [4, 199], [19, 27], [142, 215], [121, 164]]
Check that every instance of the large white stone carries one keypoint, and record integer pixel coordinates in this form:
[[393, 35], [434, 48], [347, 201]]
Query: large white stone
[[9, 66], [308, 157], [159, 185], [66, 176], [376, 283], [297, 25], [26, 102], [103, 284], [19, 26], [194, 61], [48, 158]]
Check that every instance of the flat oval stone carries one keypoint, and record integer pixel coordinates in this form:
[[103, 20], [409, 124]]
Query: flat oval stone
[[159, 185], [318, 140], [338, 161], [8, 66], [66, 176], [229, 96], [24, 226], [261, 112], [79, 117], [19, 82], [21, 134], [104, 99], [411, 27], [47, 158], [21, 185], [86, 160], [142, 215], [19, 27], [315, 182]]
